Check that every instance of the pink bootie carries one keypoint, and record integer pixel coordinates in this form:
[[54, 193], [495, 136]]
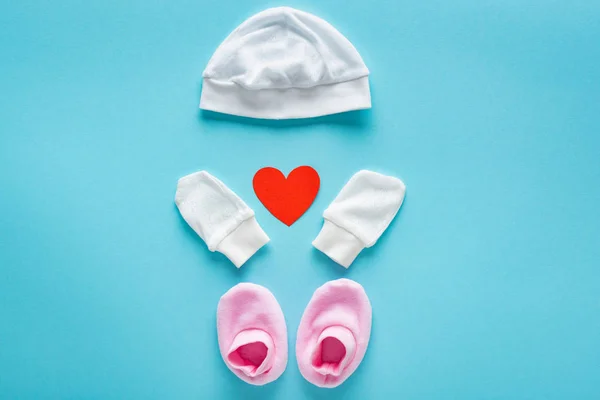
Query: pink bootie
[[252, 333], [334, 333]]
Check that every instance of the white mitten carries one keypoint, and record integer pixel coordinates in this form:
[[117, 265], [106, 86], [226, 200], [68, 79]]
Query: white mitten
[[219, 216], [358, 216]]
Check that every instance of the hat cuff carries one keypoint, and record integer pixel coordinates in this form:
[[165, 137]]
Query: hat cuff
[[231, 98]]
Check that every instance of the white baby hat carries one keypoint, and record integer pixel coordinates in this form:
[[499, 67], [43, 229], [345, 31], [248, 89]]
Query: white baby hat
[[284, 63]]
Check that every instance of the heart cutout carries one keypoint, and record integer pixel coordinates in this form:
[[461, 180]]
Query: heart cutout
[[286, 198]]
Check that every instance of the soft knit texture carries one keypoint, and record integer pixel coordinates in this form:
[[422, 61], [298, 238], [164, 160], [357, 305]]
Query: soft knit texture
[[219, 217], [359, 215], [334, 333], [285, 63], [252, 333]]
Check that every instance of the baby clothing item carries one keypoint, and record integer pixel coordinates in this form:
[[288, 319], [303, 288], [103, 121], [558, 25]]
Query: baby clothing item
[[284, 63], [359, 215], [219, 217], [252, 333], [334, 333]]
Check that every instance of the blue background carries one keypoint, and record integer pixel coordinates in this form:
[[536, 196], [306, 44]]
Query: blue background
[[486, 286]]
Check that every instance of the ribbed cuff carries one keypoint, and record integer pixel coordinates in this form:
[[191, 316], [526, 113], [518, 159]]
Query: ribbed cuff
[[243, 242], [338, 244], [231, 98]]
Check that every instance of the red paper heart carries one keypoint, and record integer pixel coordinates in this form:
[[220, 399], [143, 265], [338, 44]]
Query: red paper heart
[[287, 199]]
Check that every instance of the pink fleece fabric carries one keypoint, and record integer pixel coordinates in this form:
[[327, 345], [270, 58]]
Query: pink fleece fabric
[[252, 333], [334, 333]]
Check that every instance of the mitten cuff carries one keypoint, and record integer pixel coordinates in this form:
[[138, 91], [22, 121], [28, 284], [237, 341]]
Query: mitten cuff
[[243, 242], [338, 244]]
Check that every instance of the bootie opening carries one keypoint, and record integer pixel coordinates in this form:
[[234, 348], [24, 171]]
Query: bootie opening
[[251, 352], [334, 350]]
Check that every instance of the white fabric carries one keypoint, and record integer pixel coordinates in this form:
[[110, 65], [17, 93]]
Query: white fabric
[[285, 63], [219, 217], [359, 215], [230, 98]]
